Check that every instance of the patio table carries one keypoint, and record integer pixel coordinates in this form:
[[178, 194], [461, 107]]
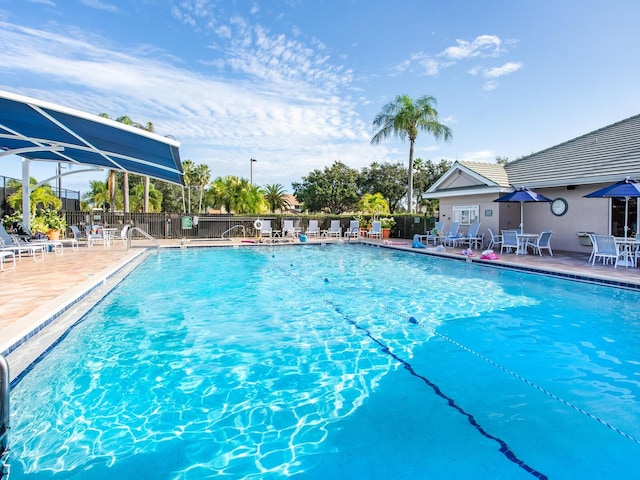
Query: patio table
[[629, 247], [523, 238]]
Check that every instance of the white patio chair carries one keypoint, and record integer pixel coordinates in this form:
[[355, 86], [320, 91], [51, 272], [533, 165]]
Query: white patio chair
[[9, 243], [335, 230], [542, 243], [607, 250], [452, 235], [496, 240], [313, 230], [432, 236], [509, 240], [266, 230], [354, 229], [376, 230], [471, 238], [95, 234], [4, 255], [288, 229]]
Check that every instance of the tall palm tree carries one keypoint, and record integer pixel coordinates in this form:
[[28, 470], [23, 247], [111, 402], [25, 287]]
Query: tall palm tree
[[189, 170], [275, 197], [202, 178], [404, 118]]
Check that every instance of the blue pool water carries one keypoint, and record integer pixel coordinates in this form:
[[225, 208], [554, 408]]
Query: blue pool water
[[336, 361]]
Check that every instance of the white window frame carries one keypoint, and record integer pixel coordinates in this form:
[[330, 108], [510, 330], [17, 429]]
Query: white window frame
[[466, 214]]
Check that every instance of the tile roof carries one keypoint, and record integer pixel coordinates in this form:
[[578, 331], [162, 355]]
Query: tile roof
[[491, 171], [608, 154]]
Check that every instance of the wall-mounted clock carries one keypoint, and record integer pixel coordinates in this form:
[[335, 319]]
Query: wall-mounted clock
[[559, 207]]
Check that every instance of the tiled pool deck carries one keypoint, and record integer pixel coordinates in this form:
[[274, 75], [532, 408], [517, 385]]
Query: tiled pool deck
[[36, 293]]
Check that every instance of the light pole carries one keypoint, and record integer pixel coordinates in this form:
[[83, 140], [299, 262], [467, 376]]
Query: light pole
[[251, 170]]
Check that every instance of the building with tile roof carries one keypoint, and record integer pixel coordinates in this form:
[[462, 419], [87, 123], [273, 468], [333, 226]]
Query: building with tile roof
[[563, 173]]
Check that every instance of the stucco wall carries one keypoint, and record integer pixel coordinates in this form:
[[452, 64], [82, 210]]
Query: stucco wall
[[583, 214]]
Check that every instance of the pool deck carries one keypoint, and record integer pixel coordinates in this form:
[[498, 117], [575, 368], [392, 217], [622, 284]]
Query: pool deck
[[35, 293]]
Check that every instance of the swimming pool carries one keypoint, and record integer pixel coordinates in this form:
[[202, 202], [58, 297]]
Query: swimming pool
[[336, 361]]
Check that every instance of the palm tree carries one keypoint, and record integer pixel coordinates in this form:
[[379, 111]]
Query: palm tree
[[275, 197], [404, 118], [98, 195], [189, 170], [202, 178], [236, 195]]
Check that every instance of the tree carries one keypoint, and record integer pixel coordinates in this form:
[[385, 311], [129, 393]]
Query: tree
[[426, 174], [404, 118], [43, 195], [236, 195], [335, 189], [98, 195], [202, 175], [373, 204], [502, 160], [189, 170], [275, 197], [389, 179]]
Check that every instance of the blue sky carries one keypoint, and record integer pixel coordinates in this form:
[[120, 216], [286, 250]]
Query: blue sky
[[296, 84]]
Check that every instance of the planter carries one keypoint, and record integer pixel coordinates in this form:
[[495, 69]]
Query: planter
[[53, 234], [386, 233]]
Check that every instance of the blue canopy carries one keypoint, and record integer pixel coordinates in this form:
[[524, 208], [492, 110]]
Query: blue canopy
[[43, 131], [522, 195], [626, 189]]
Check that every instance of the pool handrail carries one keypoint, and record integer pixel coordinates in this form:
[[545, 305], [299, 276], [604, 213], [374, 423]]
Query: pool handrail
[[4, 417]]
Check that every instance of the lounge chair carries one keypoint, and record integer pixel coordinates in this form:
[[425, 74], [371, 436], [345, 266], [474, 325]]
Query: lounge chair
[[288, 229], [313, 230], [432, 235], [376, 230], [12, 244], [354, 229], [509, 240], [452, 235], [606, 249], [335, 230], [471, 238], [4, 255], [542, 243], [266, 230]]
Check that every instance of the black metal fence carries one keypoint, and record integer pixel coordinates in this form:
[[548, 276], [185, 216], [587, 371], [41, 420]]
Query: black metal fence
[[70, 198], [175, 225]]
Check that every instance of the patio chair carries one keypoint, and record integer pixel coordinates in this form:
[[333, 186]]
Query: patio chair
[[288, 229], [607, 250], [471, 238], [509, 240], [12, 244], [432, 236], [335, 230], [4, 255], [313, 230], [266, 230], [354, 229], [496, 240], [95, 234], [542, 243], [376, 230], [452, 235]]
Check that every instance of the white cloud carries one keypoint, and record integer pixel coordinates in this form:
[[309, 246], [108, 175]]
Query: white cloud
[[49, 3], [505, 69], [281, 106], [479, 156], [99, 5], [481, 46]]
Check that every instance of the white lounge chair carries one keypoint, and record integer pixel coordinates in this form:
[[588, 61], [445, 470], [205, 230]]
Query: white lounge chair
[[313, 230], [288, 229], [376, 230], [335, 230], [266, 230], [354, 229], [11, 244], [471, 238], [542, 243], [432, 236], [4, 255], [451, 237]]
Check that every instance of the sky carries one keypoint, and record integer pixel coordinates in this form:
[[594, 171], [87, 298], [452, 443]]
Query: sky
[[296, 84]]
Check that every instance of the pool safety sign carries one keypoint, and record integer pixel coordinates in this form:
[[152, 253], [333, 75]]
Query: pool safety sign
[[187, 223]]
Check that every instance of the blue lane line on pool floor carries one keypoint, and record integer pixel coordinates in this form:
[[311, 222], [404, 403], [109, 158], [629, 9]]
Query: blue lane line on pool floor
[[504, 447]]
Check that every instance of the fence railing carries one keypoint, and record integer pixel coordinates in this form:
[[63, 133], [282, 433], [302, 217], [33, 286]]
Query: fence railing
[[175, 225]]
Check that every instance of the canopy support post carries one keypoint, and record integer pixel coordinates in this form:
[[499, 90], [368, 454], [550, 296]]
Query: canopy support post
[[26, 195]]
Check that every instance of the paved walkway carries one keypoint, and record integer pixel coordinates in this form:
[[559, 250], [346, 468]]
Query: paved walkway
[[36, 291]]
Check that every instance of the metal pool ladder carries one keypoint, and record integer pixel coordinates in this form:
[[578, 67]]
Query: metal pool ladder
[[156, 243], [4, 418]]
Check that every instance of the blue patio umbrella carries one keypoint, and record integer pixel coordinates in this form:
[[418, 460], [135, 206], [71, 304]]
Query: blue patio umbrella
[[626, 189], [522, 195]]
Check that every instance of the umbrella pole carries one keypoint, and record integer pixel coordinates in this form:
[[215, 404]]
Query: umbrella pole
[[521, 217], [626, 216]]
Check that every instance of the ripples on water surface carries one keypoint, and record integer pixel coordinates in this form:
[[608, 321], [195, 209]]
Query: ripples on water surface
[[273, 362]]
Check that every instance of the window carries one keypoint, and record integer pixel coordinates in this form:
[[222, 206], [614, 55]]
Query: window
[[466, 215]]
